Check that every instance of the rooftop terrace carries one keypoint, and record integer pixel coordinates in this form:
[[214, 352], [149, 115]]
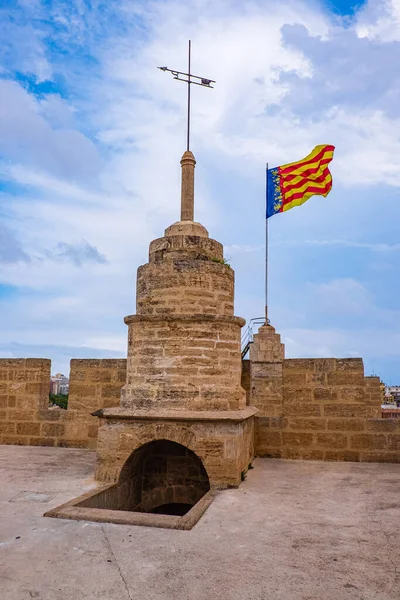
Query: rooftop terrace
[[293, 531]]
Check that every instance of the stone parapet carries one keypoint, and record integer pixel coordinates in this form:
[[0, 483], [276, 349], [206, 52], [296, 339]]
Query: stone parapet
[[326, 414], [25, 416], [325, 438]]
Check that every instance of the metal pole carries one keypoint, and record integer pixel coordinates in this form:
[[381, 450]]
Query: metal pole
[[266, 245], [188, 118]]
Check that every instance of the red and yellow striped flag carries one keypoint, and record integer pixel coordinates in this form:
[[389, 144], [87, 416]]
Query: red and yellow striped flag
[[293, 184]]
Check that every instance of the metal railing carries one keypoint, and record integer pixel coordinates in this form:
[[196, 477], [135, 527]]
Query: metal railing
[[248, 334]]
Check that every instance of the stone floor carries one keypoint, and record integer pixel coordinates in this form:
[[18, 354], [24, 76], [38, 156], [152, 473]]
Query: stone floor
[[292, 531]]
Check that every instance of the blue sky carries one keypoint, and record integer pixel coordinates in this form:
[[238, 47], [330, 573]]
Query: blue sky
[[91, 135]]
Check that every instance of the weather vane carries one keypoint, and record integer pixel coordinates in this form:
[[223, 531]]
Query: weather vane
[[189, 78]]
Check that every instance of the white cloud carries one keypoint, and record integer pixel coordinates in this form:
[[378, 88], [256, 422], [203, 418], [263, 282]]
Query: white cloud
[[343, 295], [380, 20], [26, 136]]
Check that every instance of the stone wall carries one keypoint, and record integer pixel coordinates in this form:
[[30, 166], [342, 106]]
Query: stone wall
[[24, 399], [25, 416], [323, 408], [317, 409]]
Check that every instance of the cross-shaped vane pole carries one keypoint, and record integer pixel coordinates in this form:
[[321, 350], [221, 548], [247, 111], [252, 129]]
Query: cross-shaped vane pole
[[189, 78]]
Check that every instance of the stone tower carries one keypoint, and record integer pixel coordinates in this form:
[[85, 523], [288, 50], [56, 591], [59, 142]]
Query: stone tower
[[184, 363]]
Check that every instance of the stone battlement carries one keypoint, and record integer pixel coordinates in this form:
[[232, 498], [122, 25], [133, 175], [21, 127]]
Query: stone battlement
[[317, 420]]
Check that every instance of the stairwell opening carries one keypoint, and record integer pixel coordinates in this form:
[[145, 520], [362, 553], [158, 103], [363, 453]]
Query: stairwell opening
[[162, 484], [163, 477], [160, 477]]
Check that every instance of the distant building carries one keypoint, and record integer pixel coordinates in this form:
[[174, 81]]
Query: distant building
[[390, 411], [59, 384], [392, 394], [383, 392]]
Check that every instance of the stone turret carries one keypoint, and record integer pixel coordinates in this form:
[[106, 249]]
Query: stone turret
[[184, 361]]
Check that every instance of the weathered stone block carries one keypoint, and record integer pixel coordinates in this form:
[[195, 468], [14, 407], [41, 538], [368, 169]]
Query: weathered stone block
[[37, 363], [350, 364], [111, 391], [297, 409], [53, 414], [346, 424], [63, 443], [35, 388], [316, 378], [299, 365], [307, 424], [41, 441], [344, 410], [368, 441], [267, 438], [271, 422], [28, 403], [393, 443], [380, 457], [28, 428], [21, 415], [15, 440], [342, 455], [269, 452], [52, 429], [297, 439], [7, 427], [347, 378], [77, 364], [332, 440], [302, 454], [82, 390], [325, 364], [383, 425], [294, 379], [298, 394], [352, 394], [98, 375], [325, 394], [212, 448]]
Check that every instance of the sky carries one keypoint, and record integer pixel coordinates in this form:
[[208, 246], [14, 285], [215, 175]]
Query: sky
[[91, 135]]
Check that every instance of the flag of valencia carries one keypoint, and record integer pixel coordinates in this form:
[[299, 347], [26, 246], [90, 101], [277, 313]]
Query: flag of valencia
[[293, 184]]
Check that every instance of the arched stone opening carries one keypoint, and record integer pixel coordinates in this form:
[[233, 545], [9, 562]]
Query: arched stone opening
[[162, 477]]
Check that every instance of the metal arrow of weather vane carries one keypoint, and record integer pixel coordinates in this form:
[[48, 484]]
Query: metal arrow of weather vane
[[189, 78]]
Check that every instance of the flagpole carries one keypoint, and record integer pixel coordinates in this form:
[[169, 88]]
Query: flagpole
[[266, 245]]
